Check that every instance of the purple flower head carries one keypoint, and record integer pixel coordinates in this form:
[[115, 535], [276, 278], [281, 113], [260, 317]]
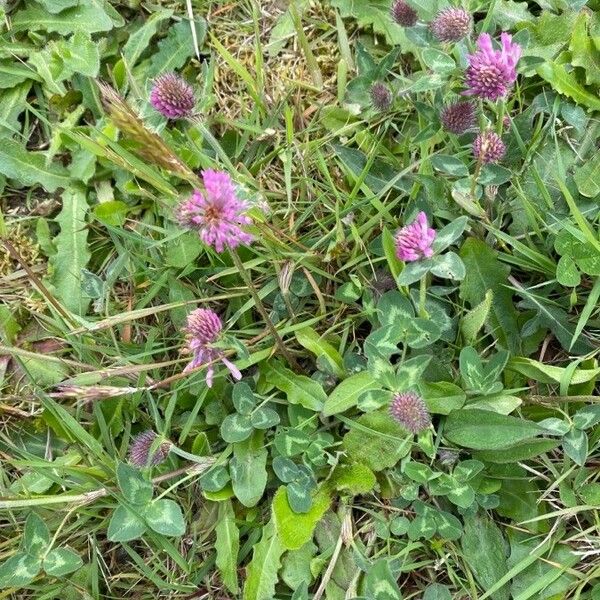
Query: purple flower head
[[409, 409], [217, 214], [491, 73], [404, 14], [172, 96], [381, 97], [488, 147], [452, 25], [139, 450], [203, 329], [413, 242], [459, 117]]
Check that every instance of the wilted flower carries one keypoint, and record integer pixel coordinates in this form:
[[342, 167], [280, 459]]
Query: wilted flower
[[413, 242], [172, 96], [203, 330], [139, 450], [491, 73], [458, 117], [451, 25], [409, 409], [404, 14], [488, 147], [381, 96], [217, 214]]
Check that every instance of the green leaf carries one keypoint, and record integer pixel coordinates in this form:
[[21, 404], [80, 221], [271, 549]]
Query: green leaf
[[79, 54], [12, 103], [29, 168], [375, 15], [176, 48], [183, 250], [550, 374], [125, 525], [380, 584], [475, 319], [243, 398], [486, 430], [314, 343], [135, 488], [355, 479], [575, 445], [61, 561], [376, 441], [264, 418], [295, 529], [442, 397], [139, 41], [346, 394], [56, 6], [438, 61], [587, 416], [566, 83], [165, 517], [89, 18], [236, 428], [264, 566], [248, 470], [437, 591], [19, 570], [518, 452], [72, 252], [587, 177], [449, 234], [484, 550], [448, 266], [584, 52], [36, 536], [485, 272], [567, 273], [298, 388], [450, 165], [227, 545]]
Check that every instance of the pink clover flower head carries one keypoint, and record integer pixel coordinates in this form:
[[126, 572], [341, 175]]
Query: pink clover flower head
[[414, 241], [203, 329], [172, 96], [492, 73], [139, 450], [217, 214], [488, 147], [409, 410]]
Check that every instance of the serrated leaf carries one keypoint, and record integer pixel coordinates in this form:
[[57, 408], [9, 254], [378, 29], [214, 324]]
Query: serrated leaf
[[165, 517], [176, 48], [29, 168], [72, 253], [62, 561], [56, 6], [89, 18], [12, 103], [264, 566], [79, 55], [125, 525], [19, 570], [227, 545], [140, 39], [566, 83], [584, 52]]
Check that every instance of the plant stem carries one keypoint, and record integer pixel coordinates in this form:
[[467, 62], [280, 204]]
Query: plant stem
[[262, 310], [422, 296]]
